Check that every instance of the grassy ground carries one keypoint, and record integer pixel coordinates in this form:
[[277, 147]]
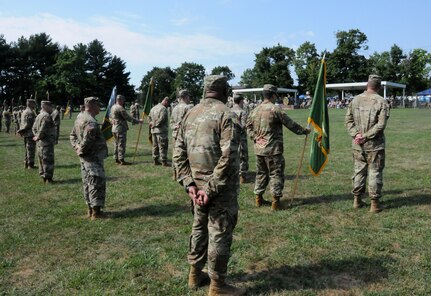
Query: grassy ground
[[319, 245]]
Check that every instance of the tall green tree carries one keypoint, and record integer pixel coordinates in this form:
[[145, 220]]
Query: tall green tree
[[223, 70], [163, 79], [97, 63], [417, 68], [388, 64], [190, 76], [347, 63], [116, 75], [248, 79], [307, 63]]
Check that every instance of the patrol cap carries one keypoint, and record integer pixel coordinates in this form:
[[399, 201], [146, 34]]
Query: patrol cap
[[31, 101], [15, 109], [183, 93], [46, 103], [91, 100], [270, 88], [215, 83], [238, 98], [375, 79], [120, 97]]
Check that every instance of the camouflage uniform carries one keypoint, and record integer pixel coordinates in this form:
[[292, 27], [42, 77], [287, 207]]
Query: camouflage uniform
[[119, 118], [178, 114], [56, 118], [44, 129], [7, 119], [265, 126], [134, 110], [206, 155], [16, 119], [367, 114], [27, 120], [90, 145], [243, 147], [159, 131]]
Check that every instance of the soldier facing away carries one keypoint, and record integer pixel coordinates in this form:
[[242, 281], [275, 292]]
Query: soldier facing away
[[159, 125], [27, 120], [178, 114], [119, 118], [7, 118], [44, 136], [16, 119], [265, 126], [366, 119], [206, 157], [238, 108], [90, 145], [57, 121]]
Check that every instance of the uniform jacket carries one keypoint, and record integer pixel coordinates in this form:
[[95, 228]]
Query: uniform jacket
[[44, 128], [119, 118], [27, 120], [178, 114], [159, 119]]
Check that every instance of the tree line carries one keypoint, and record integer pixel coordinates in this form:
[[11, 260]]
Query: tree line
[[39, 65]]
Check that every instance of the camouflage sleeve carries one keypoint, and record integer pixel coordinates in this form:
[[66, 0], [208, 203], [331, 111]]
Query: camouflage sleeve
[[227, 166], [161, 118], [249, 125], [181, 160], [44, 126], [88, 137], [350, 122], [289, 123], [126, 116], [26, 122], [243, 119], [73, 137], [381, 122]]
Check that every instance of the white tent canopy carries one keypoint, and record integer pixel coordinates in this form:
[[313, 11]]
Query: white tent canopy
[[363, 85], [260, 89]]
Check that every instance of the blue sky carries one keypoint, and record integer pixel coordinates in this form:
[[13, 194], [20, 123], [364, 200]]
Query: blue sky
[[218, 32]]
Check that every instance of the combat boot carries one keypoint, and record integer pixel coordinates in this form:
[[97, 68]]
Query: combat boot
[[49, 181], [358, 202], [89, 212], [156, 162], [165, 164], [174, 175], [275, 206], [260, 201], [242, 180], [123, 162], [376, 207], [219, 287], [97, 213], [117, 161], [197, 278], [31, 166], [25, 165]]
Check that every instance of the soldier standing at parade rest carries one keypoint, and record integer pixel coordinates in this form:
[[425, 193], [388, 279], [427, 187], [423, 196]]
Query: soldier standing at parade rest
[[28, 117], [366, 120], [178, 114], [44, 136], [119, 118], [206, 158], [90, 145], [56, 118], [62, 110], [16, 119], [265, 126], [134, 110], [7, 118], [238, 109], [159, 125]]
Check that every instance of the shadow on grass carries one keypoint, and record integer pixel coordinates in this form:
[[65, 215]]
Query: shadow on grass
[[326, 274], [408, 201], [11, 145], [69, 181], [251, 177], [150, 210], [68, 165]]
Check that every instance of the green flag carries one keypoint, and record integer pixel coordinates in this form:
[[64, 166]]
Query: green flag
[[106, 125], [149, 99], [319, 119]]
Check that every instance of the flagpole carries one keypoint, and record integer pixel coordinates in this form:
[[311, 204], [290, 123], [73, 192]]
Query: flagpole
[[301, 159], [139, 136]]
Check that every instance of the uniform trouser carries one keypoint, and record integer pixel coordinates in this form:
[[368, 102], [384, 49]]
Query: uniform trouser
[[211, 239], [30, 150], [7, 123], [120, 140], [160, 147], [371, 164], [57, 135], [270, 170], [46, 160], [93, 183], [243, 155], [16, 127]]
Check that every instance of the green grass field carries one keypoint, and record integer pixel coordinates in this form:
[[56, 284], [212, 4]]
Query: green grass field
[[318, 245]]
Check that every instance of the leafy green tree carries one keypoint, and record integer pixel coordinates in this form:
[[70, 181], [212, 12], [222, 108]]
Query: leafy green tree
[[417, 70], [190, 76], [163, 79], [5, 64], [223, 70], [116, 75], [96, 65], [346, 63], [248, 79], [388, 64], [307, 65]]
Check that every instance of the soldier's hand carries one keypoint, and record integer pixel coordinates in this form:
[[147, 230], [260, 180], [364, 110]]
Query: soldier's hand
[[35, 138], [202, 198], [307, 131], [192, 190], [359, 139], [141, 121]]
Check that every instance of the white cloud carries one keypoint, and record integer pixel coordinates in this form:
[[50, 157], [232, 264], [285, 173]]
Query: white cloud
[[180, 21], [135, 48]]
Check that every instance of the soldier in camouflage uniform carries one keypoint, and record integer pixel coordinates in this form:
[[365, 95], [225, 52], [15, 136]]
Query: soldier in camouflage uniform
[[178, 114], [134, 110], [16, 119], [238, 108], [119, 118], [366, 120], [27, 121], [44, 136], [7, 118], [265, 126], [56, 118], [90, 145], [159, 125], [206, 157]]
